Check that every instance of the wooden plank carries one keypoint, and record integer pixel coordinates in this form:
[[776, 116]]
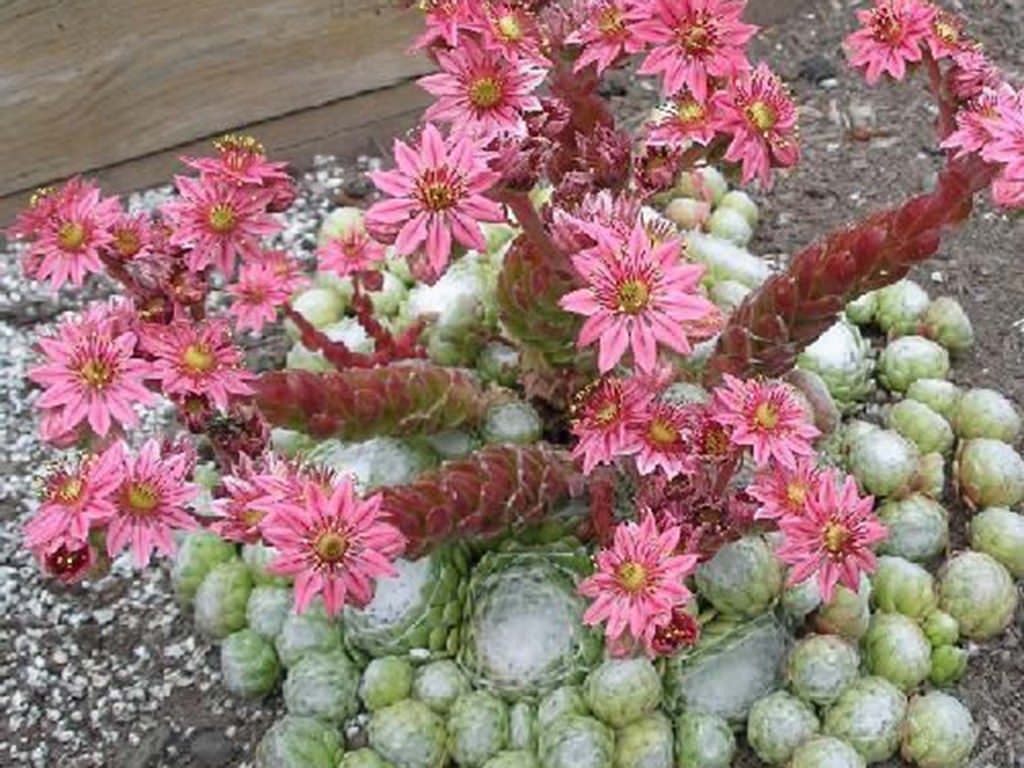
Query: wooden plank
[[88, 83], [362, 124]]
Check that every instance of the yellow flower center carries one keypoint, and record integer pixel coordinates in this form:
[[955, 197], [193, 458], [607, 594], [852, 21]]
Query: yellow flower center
[[509, 28], [632, 576], [609, 22], [252, 516], [690, 111], [141, 498], [437, 194], [221, 218], [95, 374], [662, 433], [70, 490], [71, 235], [885, 26], [715, 441], [607, 414], [762, 115], [633, 296], [484, 92], [946, 30], [766, 416], [696, 38], [796, 494], [835, 536], [198, 358], [331, 546], [127, 242]]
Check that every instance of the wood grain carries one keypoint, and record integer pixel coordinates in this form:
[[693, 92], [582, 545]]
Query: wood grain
[[88, 83]]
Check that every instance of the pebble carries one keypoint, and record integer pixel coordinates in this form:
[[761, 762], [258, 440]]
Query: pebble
[[211, 748]]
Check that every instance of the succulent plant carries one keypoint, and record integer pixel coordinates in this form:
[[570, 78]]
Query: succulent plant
[[645, 743], [267, 609], [918, 528], [883, 461], [576, 741], [949, 663], [730, 225], [842, 358], [869, 716], [861, 310], [513, 758], [921, 425], [309, 632], [930, 478], [499, 362], [386, 681], [989, 473], [939, 732], [478, 728], [998, 532], [620, 691], [567, 700], [319, 306], [299, 742], [687, 213], [738, 200], [725, 260], [363, 758], [940, 628], [979, 593], [826, 752], [820, 667], [986, 413], [703, 741], [802, 598], [248, 664], [743, 578], [941, 395], [847, 614], [323, 685], [512, 422], [899, 307], [199, 552], [733, 664], [221, 599], [704, 183], [522, 630], [409, 735], [522, 727], [946, 322], [900, 586], [420, 607], [909, 358], [895, 648], [438, 684], [778, 724]]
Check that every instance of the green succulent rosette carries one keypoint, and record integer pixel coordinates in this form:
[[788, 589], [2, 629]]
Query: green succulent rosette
[[826, 752], [478, 728], [645, 743], [703, 741], [248, 664], [898, 307], [323, 685], [940, 395], [842, 358], [567, 700], [848, 613], [386, 681], [986, 413], [267, 609], [778, 724], [299, 742], [512, 422], [883, 461], [922, 426], [438, 684], [989, 473], [744, 578], [577, 741], [918, 528], [620, 691], [198, 554], [309, 632], [939, 732], [895, 648], [363, 758], [220, 601], [949, 662], [999, 533], [869, 716], [900, 586], [820, 667], [409, 735], [979, 593], [946, 322], [909, 358]]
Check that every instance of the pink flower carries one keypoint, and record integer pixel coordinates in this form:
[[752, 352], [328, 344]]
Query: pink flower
[[784, 491], [639, 580], [694, 41], [664, 439], [41, 207], [761, 117], [198, 358], [258, 293], [1007, 192], [132, 236], [605, 418], [510, 31], [218, 222], [833, 537], [1007, 130], [66, 559], [973, 73], [638, 295], [91, 374], [74, 233], [975, 122], [287, 270], [332, 543], [685, 120], [240, 160], [352, 251], [77, 497], [891, 37], [766, 417], [443, 20], [608, 32], [150, 500], [482, 92], [252, 482], [946, 35], [436, 192]]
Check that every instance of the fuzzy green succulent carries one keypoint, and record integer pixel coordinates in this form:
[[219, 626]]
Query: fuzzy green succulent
[[949, 663], [725, 260], [577, 741], [940, 395], [940, 628], [939, 732], [728, 294], [299, 742], [567, 700], [363, 758], [898, 307], [842, 357], [198, 554], [438, 684], [620, 691], [998, 532], [738, 200], [909, 358], [703, 741], [309, 632], [409, 735], [512, 422], [918, 528], [921, 425], [386, 681], [744, 578], [513, 758], [826, 752], [986, 413], [478, 728], [730, 225], [499, 362], [323, 685], [221, 599], [869, 716], [267, 609], [248, 664], [883, 461], [989, 473], [946, 322], [801, 598], [778, 724], [522, 727], [979, 593], [820, 667], [900, 586], [861, 310], [895, 648]]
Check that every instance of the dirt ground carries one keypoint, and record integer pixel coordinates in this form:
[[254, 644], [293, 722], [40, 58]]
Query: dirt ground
[[114, 676]]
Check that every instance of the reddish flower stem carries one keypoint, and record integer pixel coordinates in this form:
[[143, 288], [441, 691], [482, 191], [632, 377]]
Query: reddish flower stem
[[529, 220]]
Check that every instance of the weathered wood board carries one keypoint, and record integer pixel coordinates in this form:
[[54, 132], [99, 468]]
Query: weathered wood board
[[88, 83]]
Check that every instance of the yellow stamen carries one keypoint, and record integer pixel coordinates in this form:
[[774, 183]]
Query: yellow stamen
[[485, 92], [70, 489], [632, 576], [198, 358], [95, 374], [766, 416], [796, 494], [835, 536], [331, 546], [662, 432], [762, 115], [509, 28], [221, 218], [633, 296], [141, 498], [610, 21], [127, 242], [71, 235]]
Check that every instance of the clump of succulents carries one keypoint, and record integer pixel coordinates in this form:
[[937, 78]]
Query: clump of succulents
[[842, 357], [898, 307], [909, 358], [918, 528], [999, 533], [900, 586], [989, 473], [979, 593], [939, 732], [778, 724]]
